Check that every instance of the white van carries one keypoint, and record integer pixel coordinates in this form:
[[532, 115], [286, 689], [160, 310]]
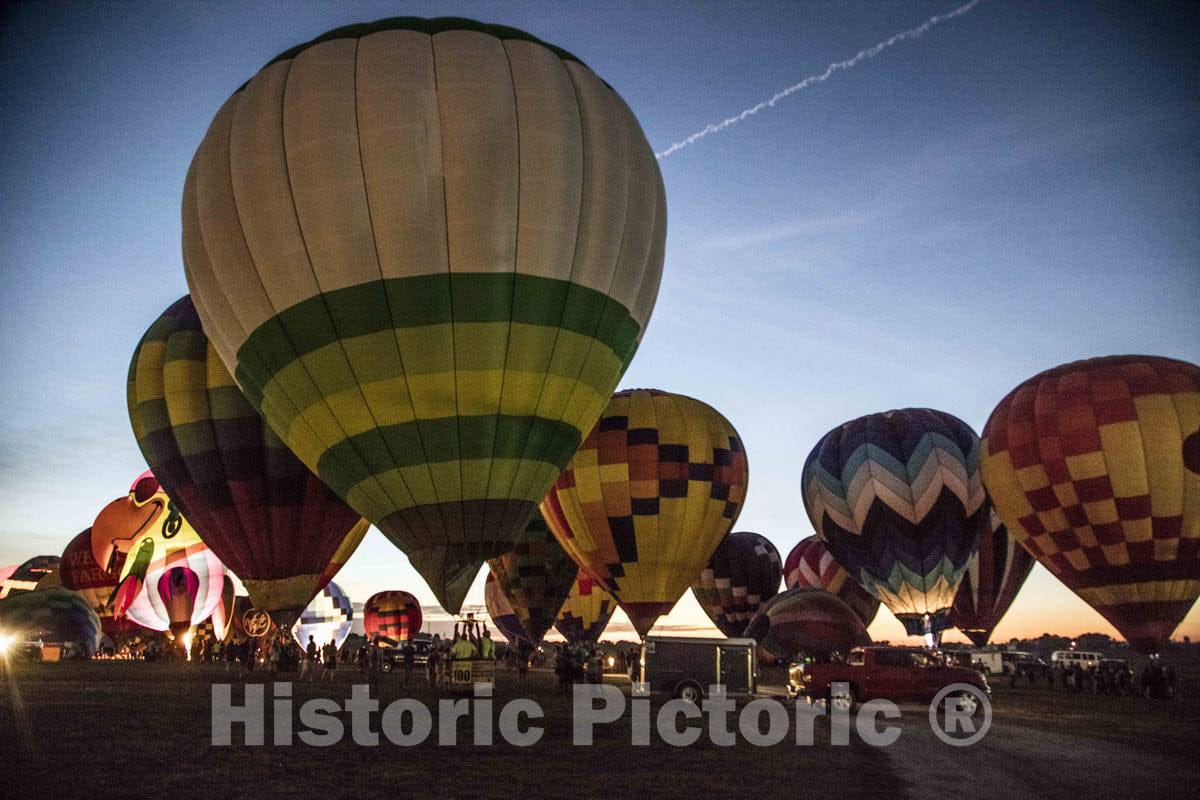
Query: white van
[[988, 662], [1066, 658]]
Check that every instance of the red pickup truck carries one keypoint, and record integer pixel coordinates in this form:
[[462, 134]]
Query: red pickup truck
[[899, 674]]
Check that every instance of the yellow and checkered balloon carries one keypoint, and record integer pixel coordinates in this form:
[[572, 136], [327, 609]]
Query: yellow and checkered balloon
[[653, 490], [1094, 467]]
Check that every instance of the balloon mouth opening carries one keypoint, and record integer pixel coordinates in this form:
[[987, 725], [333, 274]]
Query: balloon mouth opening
[[285, 618], [644, 615], [927, 625]]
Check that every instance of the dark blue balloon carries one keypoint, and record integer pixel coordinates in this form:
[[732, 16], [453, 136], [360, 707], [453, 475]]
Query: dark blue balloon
[[899, 500]]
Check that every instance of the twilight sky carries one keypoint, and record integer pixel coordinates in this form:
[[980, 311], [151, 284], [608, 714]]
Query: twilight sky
[[1017, 188]]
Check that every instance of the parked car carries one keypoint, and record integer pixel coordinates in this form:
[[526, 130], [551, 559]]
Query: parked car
[[686, 667], [1026, 665], [393, 652], [1067, 658], [899, 674]]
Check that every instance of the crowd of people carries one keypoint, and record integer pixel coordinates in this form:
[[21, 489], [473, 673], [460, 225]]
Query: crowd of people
[[578, 664], [1109, 677]]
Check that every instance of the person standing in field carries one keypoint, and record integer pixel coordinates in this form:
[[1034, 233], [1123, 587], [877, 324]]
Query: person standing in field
[[409, 655], [308, 665], [374, 663], [487, 648], [329, 660]]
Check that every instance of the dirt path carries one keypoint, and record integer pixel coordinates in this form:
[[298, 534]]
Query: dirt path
[[1016, 761]]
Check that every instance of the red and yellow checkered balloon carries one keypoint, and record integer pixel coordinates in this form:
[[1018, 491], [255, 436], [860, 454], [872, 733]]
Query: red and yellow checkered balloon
[[647, 498], [1094, 467]]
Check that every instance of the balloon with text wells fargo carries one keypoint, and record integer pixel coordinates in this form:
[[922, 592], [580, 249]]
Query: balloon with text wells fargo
[[1094, 466], [427, 250]]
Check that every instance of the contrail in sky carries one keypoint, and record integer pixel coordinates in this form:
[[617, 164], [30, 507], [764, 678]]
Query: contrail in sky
[[861, 55]]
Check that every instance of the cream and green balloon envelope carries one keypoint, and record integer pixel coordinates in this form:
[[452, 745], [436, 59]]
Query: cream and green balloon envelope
[[427, 250]]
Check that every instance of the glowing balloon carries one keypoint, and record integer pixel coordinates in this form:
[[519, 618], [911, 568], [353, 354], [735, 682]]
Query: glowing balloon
[[536, 577], [653, 490], [810, 565], [120, 523], [898, 499], [809, 621], [586, 613], [742, 574], [171, 579], [1094, 467], [327, 619], [990, 583], [427, 250], [394, 614]]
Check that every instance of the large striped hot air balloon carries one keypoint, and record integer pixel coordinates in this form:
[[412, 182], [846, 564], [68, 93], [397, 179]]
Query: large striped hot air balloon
[[261, 511], [171, 579], [991, 582], [1094, 466], [585, 615], [427, 250], [808, 621], [502, 615], [536, 576], [394, 614], [810, 565], [898, 499], [327, 619], [742, 574], [653, 490]]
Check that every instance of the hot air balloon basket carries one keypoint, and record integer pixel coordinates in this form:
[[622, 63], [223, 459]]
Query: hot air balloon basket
[[466, 673]]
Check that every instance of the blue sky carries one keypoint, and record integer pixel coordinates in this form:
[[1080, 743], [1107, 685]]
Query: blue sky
[[1017, 188]]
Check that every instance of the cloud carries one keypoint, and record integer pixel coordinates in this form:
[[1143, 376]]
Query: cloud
[[781, 232], [838, 66]]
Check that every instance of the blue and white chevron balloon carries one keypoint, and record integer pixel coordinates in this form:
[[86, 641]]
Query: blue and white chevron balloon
[[898, 499]]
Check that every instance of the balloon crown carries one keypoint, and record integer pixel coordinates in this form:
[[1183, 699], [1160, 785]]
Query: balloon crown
[[425, 25]]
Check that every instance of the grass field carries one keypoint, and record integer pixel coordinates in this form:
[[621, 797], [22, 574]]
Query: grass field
[[120, 726], [134, 729]]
